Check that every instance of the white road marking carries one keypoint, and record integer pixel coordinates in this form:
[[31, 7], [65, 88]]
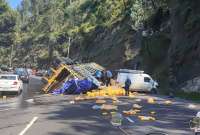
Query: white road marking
[[28, 126], [7, 109], [124, 131]]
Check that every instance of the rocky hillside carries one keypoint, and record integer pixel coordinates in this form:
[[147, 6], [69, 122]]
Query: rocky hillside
[[171, 54], [111, 46]]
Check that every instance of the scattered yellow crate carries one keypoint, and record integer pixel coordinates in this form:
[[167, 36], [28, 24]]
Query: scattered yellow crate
[[130, 112], [168, 102], [146, 118], [104, 113], [152, 113], [108, 107], [100, 101], [4, 97], [107, 91], [136, 106], [151, 100]]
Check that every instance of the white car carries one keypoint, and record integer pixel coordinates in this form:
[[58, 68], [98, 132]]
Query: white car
[[10, 83], [140, 80]]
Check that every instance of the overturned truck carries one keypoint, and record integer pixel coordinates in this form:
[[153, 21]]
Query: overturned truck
[[66, 72]]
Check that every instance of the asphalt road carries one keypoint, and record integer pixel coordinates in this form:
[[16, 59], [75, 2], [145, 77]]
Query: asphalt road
[[35, 114]]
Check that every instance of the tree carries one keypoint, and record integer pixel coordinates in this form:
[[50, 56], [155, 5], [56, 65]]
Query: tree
[[7, 31]]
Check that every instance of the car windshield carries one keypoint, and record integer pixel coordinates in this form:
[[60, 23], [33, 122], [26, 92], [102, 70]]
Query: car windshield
[[7, 77]]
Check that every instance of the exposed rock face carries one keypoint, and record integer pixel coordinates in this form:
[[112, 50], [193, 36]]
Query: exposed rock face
[[184, 51], [192, 85], [111, 47]]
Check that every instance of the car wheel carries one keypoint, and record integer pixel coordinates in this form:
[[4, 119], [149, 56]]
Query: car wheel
[[154, 91], [19, 92]]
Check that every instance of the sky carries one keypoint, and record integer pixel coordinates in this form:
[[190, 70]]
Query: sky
[[14, 3]]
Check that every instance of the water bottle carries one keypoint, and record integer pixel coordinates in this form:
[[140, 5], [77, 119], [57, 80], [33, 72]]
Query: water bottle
[[116, 119]]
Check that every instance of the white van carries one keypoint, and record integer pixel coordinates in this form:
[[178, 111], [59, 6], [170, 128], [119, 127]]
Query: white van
[[140, 80]]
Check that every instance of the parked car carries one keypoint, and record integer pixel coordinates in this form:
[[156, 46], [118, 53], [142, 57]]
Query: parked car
[[4, 68], [140, 80], [10, 83], [23, 74]]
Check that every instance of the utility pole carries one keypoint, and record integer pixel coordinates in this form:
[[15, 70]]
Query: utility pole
[[11, 55], [69, 39], [69, 44]]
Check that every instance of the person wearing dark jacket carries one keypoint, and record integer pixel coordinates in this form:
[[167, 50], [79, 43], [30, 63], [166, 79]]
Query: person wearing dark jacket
[[127, 86], [108, 78]]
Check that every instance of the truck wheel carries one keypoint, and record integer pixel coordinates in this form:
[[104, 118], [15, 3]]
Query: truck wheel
[[154, 91]]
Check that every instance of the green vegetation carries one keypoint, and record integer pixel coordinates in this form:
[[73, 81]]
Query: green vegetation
[[43, 27], [7, 31], [105, 31], [194, 96]]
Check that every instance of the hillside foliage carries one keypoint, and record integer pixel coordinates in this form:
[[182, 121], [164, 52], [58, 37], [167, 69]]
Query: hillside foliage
[[43, 27]]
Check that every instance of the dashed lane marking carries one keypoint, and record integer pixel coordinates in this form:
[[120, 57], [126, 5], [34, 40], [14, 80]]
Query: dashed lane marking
[[28, 126]]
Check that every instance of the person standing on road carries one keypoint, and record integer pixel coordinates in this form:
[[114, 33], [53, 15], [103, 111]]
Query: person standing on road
[[127, 86], [98, 75], [108, 78], [103, 77]]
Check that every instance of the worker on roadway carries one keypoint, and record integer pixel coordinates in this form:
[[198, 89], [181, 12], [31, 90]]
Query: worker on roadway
[[108, 77], [127, 86]]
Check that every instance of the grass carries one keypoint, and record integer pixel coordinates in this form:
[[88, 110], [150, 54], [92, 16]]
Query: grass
[[194, 96]]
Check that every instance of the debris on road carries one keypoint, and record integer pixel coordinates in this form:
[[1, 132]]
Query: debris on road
[[72, 102], [4, 97], [79, 98], [138, 100], [130, 120], [130, 112], [109, 107], [191, 106], [96, 107], [151, 100], [152, 113], [75, 86], [132, 95], [146, 118], [100, 101], [116, 119], [107, 91], [168, 102], [136, 106], [104, 113]]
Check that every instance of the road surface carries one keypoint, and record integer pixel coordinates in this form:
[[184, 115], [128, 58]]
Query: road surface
[[36, 114]]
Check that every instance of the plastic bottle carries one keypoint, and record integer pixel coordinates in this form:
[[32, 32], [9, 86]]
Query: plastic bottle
[[116, 119]]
